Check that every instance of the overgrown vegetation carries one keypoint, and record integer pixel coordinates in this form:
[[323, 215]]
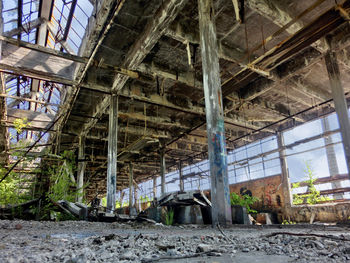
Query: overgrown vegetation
[[169, 217], [313, 196], [18, 187], [20, 124], [10, 191], [11, 188], [62, 182], [245, 201], [117, 203]]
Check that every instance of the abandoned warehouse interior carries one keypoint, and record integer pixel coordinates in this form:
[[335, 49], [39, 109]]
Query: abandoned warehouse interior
[[215, 116]]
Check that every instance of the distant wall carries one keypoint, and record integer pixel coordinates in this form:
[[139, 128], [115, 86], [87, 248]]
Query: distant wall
[[268, 189], [330, 212]]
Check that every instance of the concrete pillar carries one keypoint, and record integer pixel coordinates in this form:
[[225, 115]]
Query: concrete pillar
[[154, 187], [162, 170], [182, 186], [112, 154], [136, 198], [286, 189], [220, 194], [81, 168], [339, 101], [131, 183], [331, 157]]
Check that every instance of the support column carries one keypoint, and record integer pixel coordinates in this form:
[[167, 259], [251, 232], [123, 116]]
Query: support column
[[136, 199], [220, 193], [339, 101], [182, 187], [162, 170], [81, 168], [331, 157], [286, 189], [4, 137], [131, 179], [112, 154], [154, 187]]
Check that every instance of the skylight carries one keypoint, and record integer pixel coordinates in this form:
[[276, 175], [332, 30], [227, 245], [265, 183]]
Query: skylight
[[65, 31]]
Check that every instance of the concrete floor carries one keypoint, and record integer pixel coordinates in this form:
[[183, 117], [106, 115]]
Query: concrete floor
[[81, 241]]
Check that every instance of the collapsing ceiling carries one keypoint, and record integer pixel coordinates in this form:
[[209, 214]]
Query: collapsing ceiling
[[147, 52]]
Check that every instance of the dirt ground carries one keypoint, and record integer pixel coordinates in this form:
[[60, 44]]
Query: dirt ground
[[81, 241]]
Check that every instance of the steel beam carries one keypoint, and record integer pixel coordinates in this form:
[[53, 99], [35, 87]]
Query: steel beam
[[220, 195]]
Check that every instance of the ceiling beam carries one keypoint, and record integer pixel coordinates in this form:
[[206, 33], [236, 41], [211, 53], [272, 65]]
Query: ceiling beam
[[138, 51], [301, 85], [182, 34]]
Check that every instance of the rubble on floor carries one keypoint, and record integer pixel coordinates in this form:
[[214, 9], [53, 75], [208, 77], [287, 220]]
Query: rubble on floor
[[81, 241]]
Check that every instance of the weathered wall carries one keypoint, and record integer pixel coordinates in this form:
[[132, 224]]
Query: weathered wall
[[268, 189], [331, 212]]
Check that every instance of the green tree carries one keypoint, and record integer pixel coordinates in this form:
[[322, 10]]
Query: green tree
[[313, 197]]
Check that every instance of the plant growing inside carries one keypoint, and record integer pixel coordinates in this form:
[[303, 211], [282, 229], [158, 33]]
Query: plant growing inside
[[313, 196], [245, 201], [169, 217]]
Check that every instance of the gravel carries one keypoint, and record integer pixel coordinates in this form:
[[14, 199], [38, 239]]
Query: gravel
[[80, 241]]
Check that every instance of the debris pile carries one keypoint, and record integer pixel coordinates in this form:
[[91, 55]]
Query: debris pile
[[122, 242]]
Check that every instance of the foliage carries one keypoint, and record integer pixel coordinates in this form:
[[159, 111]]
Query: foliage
[[245, 200], [9, 189], [104, 203], [62, 185], [144, 199], [313, 197], [286, 222], [20, 124], [60, 216], [169, 217]]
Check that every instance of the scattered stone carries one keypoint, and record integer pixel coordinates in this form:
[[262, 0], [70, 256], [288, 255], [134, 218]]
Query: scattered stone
[[18, 226], [318, 245], [128, 255], [110, 237], [346, 250], [203, 248], [77, 242]]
